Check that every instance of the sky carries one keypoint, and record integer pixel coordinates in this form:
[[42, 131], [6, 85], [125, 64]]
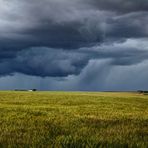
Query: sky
[[78, 45]]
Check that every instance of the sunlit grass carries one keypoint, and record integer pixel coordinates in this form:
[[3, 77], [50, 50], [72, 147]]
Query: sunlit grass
[[73, 119]]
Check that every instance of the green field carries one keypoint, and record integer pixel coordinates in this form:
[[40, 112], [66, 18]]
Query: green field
[[73, 120]]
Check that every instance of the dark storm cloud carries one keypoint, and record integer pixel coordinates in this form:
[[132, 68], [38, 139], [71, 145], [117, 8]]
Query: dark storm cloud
[[50, 23], [52, 62], [58, 38], [122, 6], [65, 24], [45, 62], [132, 25]]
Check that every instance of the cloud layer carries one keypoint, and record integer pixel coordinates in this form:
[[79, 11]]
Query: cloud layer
[[60, 38]]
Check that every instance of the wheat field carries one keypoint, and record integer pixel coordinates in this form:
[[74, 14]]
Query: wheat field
[[73, 120]]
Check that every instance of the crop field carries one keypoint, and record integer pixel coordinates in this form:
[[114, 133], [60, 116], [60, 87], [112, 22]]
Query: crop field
[[73, 120]]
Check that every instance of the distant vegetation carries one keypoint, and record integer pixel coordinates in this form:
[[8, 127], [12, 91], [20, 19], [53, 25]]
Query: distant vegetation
[[73, 120]]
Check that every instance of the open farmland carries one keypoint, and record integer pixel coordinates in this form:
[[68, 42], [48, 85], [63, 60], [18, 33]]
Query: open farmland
[[73, 119]]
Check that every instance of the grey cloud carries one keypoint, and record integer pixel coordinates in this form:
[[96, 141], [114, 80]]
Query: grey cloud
[[43, 61], [99, 76], [122, 6], [96, 76], [132, 25], [70, 39], [66, 24]]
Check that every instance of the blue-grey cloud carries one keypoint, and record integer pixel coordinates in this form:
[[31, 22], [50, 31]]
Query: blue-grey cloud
[[44, 61], [121, 6], [59, 38], [64, 24]]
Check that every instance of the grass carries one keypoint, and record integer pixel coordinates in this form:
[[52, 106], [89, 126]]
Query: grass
[[73, 120]]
